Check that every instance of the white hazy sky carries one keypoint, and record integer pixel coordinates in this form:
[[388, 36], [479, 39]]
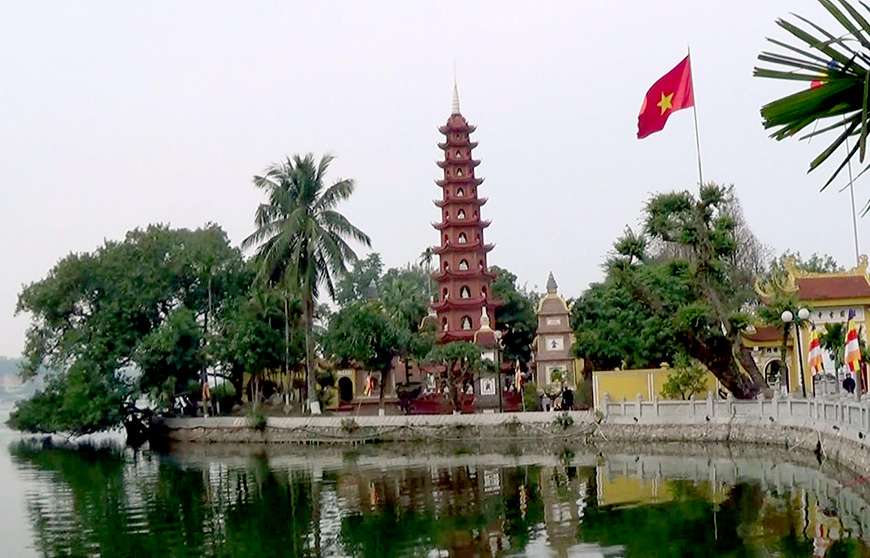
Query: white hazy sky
[[114, 115]]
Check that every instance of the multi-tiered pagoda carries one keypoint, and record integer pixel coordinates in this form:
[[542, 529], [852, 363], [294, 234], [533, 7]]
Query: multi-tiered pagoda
[[463, 277]]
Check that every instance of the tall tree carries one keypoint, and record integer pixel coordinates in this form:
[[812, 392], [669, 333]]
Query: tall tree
[[301, 238], [460, 360], [425, 261], [121, 321], [691, 302], [834, 66], [516, 317], [362, 334], [354, 285]]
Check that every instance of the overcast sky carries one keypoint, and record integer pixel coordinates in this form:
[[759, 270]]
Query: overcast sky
[[114, 115]]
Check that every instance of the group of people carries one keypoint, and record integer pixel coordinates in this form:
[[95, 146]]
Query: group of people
[[564, 401]]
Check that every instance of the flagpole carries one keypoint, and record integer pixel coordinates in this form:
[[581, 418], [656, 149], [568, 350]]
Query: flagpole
[[697, 133], [852, 195]]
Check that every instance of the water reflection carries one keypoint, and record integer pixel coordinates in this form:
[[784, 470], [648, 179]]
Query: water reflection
[[377, 503]]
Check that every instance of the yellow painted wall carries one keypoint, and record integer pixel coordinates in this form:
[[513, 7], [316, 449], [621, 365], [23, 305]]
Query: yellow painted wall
[[628, 384]]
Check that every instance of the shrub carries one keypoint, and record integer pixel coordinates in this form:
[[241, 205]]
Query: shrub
[[531, 401], [224, 394], [687, 378]]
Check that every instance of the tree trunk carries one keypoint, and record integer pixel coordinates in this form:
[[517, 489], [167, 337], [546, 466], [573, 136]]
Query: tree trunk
[[720, 359], [308, 310], [384, 375], [287, 382]]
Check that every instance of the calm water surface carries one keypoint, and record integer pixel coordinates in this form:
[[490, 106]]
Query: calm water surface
[[220, 502]]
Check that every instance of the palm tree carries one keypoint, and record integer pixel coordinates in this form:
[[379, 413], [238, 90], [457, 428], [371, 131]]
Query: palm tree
[[425, 260], [300, 238], [839, 64]]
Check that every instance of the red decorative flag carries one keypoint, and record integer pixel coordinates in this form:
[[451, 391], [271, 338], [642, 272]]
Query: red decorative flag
[[672, 92]]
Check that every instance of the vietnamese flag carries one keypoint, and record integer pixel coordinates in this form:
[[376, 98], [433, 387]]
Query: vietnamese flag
[[672, 92]]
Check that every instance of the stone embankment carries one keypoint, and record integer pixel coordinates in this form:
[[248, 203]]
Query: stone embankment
[[837, 429]]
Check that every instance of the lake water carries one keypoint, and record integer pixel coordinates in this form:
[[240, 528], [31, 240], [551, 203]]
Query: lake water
[[425, 501]]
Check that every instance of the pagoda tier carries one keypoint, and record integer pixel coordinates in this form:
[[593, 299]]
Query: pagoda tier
[[476, 201], [464, 280], [462, 248], [465, 303], [474, 163], [459, 181], [454, 126], [452, 143], [463, 274], [462, 223]]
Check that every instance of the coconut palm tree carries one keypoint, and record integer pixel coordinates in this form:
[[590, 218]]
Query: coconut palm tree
[[425, 261], [836, 67], [300, 238]]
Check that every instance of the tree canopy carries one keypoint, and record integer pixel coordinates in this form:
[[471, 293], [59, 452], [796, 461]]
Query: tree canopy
[[133, 305], [689, 298], [516, 317]]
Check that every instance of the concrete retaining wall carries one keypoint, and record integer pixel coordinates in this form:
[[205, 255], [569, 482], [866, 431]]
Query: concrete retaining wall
[[837, 428]]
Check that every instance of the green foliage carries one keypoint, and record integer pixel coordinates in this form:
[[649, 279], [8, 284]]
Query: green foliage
[[839, 61], [362, 334], [354, 285], [263, 331], [225, 395], [686, 379], [689, 298], [460, 360], [173, 351], [80, 401], [833, 340], [615, 327], [143, 301], [516, 317], [301, 240], [531, 400], [816, 263]]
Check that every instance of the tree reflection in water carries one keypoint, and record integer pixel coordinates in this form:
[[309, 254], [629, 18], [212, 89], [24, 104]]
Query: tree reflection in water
[[109, 502]]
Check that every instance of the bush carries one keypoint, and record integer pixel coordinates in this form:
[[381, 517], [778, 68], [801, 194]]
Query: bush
[[687, 378], [531, 401], [224, 394]]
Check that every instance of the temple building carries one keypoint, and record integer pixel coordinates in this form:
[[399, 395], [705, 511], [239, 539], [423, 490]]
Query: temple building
[[829, 297], [554, 362], [463, 277]]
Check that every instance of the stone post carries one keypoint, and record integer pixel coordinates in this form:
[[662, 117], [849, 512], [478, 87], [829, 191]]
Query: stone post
[[711, 407], [639, 406], [606, 404]]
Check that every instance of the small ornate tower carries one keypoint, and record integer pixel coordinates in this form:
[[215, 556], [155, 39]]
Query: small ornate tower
[[463, 276], [554, 339]]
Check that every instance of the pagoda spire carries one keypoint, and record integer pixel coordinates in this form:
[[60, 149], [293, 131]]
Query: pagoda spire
[[454, 109]]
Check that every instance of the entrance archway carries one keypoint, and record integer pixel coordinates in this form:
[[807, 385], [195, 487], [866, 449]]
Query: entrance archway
[[345, 389]]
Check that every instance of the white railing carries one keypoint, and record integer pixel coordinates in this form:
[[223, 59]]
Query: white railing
[[842, 416]]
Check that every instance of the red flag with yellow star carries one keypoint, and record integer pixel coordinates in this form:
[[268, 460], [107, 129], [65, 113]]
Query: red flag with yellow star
[[672, 92]]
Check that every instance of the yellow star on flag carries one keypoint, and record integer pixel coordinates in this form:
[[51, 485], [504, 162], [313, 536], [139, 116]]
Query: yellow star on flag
[[666, 103]]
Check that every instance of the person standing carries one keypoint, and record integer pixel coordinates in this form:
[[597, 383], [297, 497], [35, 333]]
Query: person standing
[[849, 384]]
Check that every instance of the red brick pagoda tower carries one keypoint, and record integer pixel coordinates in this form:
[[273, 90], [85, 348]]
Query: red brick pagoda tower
[[463, 277]]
